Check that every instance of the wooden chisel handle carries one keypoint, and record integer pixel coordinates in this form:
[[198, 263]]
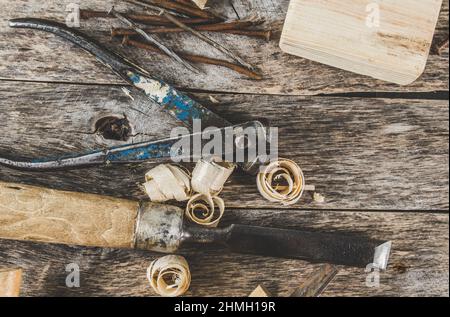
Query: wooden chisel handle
[[46, 215]]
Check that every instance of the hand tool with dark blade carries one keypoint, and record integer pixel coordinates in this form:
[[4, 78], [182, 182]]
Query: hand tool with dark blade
[[93, 220]]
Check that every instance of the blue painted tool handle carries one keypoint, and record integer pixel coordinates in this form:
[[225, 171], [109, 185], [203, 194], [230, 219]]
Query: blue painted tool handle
[[176, 103], [179, 105], [177, 148]]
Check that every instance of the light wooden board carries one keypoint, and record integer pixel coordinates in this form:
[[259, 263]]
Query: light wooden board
[[361, 153], [10, 281], [36, 56], [388, 40], [418, 266]]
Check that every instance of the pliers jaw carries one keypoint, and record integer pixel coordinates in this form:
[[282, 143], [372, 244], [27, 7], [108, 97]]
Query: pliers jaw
[[177, 149]]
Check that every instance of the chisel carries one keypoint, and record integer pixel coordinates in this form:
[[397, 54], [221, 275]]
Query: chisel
[[46, 215]]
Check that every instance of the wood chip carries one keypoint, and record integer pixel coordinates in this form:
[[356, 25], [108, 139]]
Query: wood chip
[[260, 291], [200, 3], [167, 182], [10, 281], [213, 99], [209, 176], [202, 210], [281, 181], [318, 198], [169, 276]]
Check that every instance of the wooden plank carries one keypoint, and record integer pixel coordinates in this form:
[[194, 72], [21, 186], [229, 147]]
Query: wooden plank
[[418, 265], [36, 56], [360, 153], [374, 39]]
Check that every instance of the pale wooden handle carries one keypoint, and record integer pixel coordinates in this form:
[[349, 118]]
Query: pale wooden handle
[[46, 215]]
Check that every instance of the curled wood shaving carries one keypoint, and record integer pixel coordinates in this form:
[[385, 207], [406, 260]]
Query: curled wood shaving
[[209, 177], [281, 181], [166, 182], [169, 276], [201, 209]]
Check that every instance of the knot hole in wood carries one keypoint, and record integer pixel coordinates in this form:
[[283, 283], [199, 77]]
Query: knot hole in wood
[[114, 128]]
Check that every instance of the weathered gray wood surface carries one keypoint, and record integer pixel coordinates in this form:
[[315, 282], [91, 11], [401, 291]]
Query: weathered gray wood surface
[[385, 158], [378, 154], [419, 261], [34, 55]]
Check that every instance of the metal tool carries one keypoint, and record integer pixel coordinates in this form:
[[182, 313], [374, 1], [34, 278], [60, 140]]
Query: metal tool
[[38, 214], [317, 282], [179, 105], [145, 151]]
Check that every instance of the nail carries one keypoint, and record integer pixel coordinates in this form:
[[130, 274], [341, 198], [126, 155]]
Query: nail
[[126, 41], [178, 7], [144, 18], [230, 28]]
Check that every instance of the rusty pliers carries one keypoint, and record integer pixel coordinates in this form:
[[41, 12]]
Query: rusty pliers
[[177, 104]]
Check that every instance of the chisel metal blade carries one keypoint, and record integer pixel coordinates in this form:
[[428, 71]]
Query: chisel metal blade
[[310, 246]]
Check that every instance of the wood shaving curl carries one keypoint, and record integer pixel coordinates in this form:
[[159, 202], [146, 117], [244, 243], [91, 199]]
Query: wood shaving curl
[[201, 209], [281, 181], [169, 276], [209, 177], [166, 182]]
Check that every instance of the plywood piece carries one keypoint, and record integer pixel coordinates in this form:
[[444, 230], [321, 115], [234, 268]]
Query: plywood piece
[[10, 281], [388, 40]]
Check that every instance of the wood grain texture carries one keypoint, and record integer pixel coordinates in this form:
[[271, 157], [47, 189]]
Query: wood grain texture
[[45, 215], [378, 154], [375, 155], [418, 265], [36, 56], [10, 282], [389, 41]]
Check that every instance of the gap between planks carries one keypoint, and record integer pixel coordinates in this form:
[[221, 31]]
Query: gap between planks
[[431, 95]]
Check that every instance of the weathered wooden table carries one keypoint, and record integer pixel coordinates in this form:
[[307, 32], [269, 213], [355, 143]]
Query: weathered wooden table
[[377, 151]]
